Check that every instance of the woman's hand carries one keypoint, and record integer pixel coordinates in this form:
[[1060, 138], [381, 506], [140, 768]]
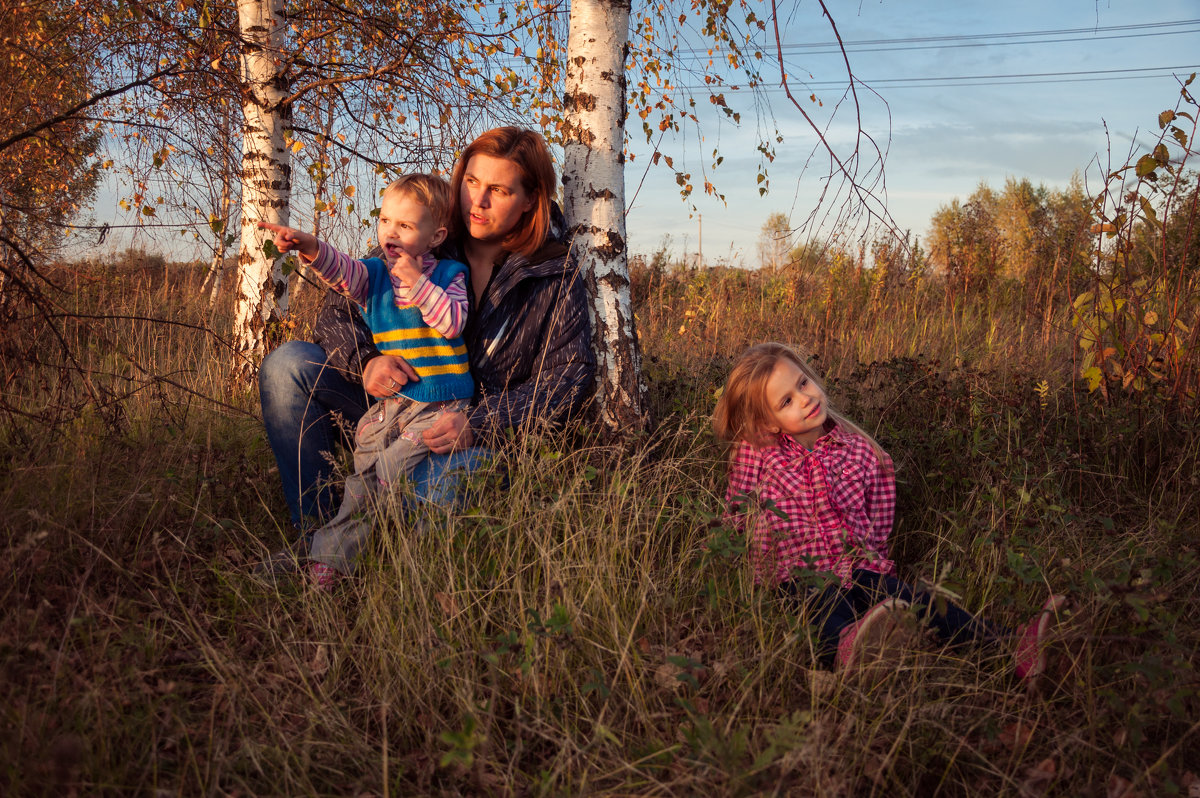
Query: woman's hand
[[386, 374], [449, 433]]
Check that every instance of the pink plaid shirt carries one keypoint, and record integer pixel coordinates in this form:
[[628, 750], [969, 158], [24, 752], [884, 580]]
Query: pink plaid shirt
[[830, 509]]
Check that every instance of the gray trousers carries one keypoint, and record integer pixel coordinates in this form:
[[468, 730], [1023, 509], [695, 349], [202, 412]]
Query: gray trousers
[[387, 446]]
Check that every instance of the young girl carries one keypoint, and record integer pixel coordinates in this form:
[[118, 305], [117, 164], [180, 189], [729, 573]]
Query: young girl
[[826, 497]]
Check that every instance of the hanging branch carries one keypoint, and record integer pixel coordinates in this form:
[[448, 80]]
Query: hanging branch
[[875, 206]]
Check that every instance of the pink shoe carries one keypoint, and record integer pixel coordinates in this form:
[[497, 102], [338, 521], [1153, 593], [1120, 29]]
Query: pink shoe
[[1030, 655], [322, 576], [870, 633]]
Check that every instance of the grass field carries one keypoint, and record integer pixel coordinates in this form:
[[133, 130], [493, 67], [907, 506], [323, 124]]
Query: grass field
[[587, 625]]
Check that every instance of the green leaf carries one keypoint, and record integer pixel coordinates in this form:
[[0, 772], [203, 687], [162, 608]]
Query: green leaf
[[1149, 212], [1146, 165], [1094, 377], [270, 250]]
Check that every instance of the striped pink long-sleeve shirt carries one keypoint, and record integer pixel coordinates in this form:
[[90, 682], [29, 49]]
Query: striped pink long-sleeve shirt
[[829, 509], [445, 310]]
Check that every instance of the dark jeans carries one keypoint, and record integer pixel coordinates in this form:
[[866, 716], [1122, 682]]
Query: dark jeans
[[832, 608], [300, 397]]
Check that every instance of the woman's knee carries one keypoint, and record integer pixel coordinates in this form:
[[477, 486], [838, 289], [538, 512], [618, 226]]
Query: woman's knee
[[292, 368]]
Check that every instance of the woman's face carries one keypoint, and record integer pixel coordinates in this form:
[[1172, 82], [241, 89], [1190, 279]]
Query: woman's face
[[492, 199]]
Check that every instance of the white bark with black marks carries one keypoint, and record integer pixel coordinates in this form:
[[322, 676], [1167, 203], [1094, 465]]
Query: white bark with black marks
[[594, 198], [266, 171]]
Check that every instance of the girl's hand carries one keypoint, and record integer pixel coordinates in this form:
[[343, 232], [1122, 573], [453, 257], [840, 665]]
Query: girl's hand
[[288, 239]]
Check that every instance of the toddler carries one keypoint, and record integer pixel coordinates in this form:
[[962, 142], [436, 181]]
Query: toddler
[[416, 308]]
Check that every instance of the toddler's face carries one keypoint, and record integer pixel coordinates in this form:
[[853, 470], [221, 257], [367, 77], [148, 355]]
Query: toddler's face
[[405, 225]]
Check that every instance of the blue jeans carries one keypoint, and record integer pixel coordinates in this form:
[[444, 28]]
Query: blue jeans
[[832, 608], [302, 397]]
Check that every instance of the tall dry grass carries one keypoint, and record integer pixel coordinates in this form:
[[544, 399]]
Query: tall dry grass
[[585, 624]]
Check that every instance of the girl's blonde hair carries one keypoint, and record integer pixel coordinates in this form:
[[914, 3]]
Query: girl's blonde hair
[[743, 413]]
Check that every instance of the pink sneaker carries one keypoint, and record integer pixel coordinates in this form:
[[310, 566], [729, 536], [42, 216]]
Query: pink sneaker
[[869, 634], [1030, 655], [322, 576]]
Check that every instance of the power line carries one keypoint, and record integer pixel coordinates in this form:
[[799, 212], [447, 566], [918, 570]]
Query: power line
[[955, 81], [1016, 75], [951, 45], [982, 36], [1011, 83], [981, 39]]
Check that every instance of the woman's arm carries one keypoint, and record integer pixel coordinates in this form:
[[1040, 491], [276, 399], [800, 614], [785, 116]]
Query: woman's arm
[[346, 339], [564, 366], [556, 328]]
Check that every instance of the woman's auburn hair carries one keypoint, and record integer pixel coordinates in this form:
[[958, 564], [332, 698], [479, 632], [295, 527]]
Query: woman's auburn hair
[[743, 413], [528, 150]]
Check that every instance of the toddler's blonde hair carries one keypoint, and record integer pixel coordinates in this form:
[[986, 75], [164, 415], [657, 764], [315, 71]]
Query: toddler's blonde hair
[[430, 190]]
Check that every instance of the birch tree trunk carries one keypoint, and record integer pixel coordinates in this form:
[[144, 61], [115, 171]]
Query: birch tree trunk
[[266, 173], [594, 196]]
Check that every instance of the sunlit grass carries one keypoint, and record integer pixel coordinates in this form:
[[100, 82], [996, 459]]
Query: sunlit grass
[[585, 625]]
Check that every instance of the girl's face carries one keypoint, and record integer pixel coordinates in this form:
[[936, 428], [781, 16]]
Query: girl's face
[[492, 199], [796, 404]]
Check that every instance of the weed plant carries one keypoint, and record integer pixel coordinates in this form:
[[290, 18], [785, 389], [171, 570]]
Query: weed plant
[[585, 623]]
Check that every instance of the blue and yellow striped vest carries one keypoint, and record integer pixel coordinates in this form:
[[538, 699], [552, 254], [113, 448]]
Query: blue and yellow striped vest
[[441, 363]]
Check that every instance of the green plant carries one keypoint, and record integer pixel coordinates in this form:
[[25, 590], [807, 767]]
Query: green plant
[[1139, 324]]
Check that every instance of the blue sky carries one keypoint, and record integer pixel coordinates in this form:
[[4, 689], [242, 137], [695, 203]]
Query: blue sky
[[945, 137]]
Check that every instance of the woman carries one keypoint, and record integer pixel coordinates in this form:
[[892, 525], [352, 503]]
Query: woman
[[528, 339]]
